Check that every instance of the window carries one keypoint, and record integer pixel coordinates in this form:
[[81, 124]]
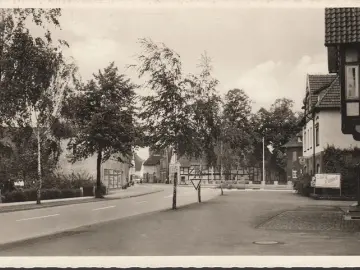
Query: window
[[294, 156], [308, 144], [317, 135], [294, 174], [352, 81], [311, 137], [351, 55], [304, 141], [318, 168]]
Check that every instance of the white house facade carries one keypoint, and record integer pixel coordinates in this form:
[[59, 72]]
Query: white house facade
[[322, 121]]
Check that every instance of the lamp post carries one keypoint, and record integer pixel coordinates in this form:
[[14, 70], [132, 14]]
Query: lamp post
[[263, 158]]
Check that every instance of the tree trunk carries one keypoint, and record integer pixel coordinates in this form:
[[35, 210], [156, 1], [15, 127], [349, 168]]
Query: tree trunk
[[199, 187], [38, 192], [358, 188], [98, 193], [174, 192], [199, 192], [221, 187]]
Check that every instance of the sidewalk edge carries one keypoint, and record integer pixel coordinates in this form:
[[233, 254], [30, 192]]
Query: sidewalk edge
[[80, 201]]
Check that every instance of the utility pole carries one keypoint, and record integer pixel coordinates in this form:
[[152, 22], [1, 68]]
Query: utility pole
[[263, 140]]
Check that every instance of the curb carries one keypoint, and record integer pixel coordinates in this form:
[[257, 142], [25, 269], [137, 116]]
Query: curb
[[63, 203]]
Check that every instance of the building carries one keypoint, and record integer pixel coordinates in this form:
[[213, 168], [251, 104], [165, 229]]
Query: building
[[322, 121], [114, 174], [151, 168], [294, 151], [342, 39], [136, 171], [189, 169]]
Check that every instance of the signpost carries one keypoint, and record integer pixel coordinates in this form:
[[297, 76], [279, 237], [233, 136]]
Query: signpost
[[197, 179]]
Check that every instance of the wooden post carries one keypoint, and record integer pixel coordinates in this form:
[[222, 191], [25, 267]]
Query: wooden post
[[358, 189], [199, 187], [174, 192]]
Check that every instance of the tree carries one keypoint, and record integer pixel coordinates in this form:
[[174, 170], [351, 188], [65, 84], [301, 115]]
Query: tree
[[205, 103], [237, 135], [34, 75], [103, 115], [277, 125], [166, 110]]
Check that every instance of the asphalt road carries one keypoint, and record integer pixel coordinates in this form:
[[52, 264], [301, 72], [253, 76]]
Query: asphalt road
[[225, 225], [23, 225]]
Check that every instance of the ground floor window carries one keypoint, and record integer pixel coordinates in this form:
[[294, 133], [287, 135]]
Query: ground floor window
[[113, 178], [318, 168]]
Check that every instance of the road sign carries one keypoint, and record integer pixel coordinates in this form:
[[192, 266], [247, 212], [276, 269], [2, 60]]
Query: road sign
[[196, 183], [313, 182], [302, 161], [174, 167]]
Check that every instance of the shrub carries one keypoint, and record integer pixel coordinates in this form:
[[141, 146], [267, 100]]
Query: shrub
[[46, 194], [303, 185], [69, 181]]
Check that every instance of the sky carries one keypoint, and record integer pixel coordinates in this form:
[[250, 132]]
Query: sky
[[267, 52]]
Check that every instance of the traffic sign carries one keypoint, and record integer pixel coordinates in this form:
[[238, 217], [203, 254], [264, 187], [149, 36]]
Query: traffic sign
[[196, 183], [302, 161], [174, 167]]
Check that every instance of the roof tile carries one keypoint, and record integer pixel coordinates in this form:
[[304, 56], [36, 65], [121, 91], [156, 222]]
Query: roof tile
[[342, 25]]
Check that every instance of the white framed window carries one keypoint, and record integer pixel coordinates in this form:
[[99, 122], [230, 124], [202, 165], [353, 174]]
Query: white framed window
[[352, 108], [352, 81], [304, 143], [311, 137], [294, 174]]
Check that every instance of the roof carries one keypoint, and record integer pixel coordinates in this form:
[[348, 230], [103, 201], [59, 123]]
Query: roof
[[342, 25], [318, 83], [138, 162], [292, 143], [186, 162], [330, 97], [153, 160]]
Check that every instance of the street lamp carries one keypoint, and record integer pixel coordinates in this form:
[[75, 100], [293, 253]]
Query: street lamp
[[263, 141]]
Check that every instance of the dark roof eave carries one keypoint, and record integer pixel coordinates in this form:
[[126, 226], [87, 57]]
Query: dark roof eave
[[330, 108]]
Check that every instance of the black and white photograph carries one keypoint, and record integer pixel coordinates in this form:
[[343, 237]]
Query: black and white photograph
[[179, 129]]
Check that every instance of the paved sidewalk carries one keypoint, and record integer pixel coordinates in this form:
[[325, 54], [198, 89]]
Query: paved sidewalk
[[134, 191]]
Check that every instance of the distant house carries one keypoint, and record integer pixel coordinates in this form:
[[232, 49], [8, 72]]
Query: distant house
[[151, 168], [190, 170], [136, 171], [322, 121], [114, 174], [294, 151]]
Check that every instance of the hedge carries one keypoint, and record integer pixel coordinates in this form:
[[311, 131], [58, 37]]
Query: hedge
[[46, 194]]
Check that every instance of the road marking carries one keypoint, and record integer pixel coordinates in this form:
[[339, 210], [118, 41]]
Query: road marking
[[24, 219], [141, 202], [107, 207]]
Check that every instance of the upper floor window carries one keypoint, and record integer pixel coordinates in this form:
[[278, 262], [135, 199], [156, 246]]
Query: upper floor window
[[317, 138], [351, 55], [304, 144], [352, 81], [311, 137], [294, 156]]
